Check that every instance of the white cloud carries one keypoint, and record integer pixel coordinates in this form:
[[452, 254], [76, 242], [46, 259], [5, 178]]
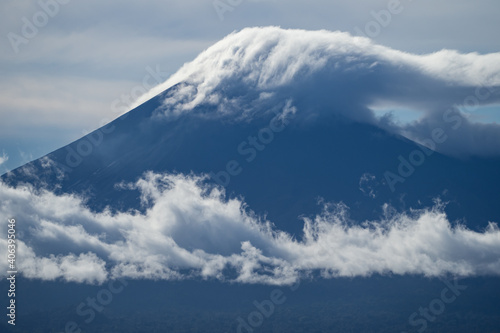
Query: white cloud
[[84, 268], [192, 230], [4, 158], [327, 71], [272, 57]]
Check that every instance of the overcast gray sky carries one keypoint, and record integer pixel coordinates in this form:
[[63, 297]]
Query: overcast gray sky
[[68, 65]]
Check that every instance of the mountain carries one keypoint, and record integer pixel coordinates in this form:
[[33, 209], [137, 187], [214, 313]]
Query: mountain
[[258, 189]]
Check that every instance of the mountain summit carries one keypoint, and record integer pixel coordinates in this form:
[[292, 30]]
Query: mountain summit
[[267, 161]]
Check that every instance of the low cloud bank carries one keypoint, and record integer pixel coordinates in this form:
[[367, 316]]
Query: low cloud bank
[[191, 230]]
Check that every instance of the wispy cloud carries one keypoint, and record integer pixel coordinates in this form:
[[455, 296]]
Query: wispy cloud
[[4, 158], [190, 230]]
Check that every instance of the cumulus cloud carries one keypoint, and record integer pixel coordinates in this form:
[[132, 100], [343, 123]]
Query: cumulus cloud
[[190, 229], [334, 72]]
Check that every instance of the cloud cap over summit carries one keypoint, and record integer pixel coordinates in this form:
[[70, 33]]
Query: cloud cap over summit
[[335, 72]]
